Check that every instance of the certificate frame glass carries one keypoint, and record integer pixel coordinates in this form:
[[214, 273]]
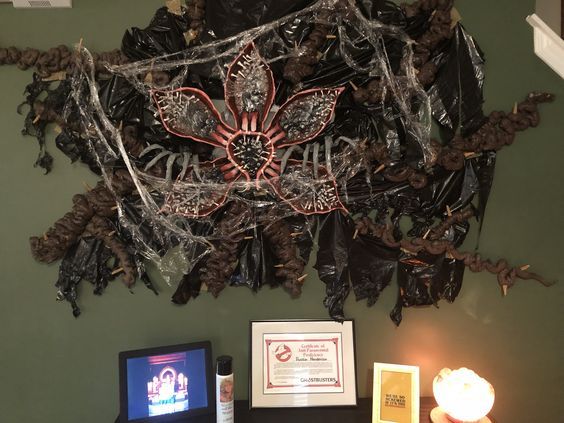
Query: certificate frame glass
[[396, 394], [302, 363]]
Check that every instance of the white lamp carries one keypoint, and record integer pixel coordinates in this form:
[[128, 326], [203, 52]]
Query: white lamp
[[462, 396]]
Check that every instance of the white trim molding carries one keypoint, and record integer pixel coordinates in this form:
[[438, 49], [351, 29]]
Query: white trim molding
[[548, 45], [45, 4]]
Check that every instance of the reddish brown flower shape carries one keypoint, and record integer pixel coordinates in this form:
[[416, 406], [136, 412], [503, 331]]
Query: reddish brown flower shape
[[250, 147]]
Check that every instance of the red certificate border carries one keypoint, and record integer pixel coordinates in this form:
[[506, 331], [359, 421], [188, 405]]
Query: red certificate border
[[337, 384]]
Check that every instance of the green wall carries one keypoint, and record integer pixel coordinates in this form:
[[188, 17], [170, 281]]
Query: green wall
[[54, 368]]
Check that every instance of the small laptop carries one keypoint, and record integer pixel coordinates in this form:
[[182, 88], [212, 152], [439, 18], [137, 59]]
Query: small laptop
[[167, 384]]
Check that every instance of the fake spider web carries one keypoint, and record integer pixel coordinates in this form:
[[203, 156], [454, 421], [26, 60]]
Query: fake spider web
[[176, 242], [324, 133]]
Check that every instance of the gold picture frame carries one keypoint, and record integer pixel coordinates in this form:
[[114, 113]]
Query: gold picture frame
[[395, 394]]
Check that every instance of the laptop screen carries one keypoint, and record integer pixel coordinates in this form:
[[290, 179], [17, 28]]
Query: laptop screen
[[167, 382]]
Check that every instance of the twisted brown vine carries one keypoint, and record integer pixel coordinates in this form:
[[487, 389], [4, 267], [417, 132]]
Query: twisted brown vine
[[458, 217], [440, 29], [222, 260], [290, 267], [506, 275], [56, 59], [303, 64], [497, 132], [99, 201], [102, 229]]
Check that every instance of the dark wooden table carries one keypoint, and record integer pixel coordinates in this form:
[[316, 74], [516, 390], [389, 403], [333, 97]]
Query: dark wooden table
[[360, 414]]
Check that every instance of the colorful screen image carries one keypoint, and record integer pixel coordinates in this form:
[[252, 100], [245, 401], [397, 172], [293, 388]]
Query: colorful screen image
[[165, 384]]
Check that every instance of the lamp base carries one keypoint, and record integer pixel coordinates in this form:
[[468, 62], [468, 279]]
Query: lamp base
[[439, 416]]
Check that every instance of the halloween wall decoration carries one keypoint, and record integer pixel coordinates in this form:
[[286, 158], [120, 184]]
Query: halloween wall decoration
[[227, 143]]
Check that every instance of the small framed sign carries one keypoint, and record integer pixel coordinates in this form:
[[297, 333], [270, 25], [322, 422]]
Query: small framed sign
[[396, 394], [302, 363]]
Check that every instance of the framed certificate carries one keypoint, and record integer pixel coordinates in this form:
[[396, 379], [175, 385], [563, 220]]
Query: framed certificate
[[302, 363], [396, 394]]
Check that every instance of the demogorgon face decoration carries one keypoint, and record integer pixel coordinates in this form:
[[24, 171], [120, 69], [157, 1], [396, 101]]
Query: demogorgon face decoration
[[249, 148], [235, 199]]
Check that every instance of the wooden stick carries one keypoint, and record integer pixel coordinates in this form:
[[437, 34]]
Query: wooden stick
[[57, 76], [112, 233], [279, 265], [355, 234], [118, 270], [301, 278], [525, 267], [427, 233], [515, 108], [380, 168], [80, 44], [295, 234], [354, 87], [331, 36], [37, 119], [249, 237], [449, 211], [504, 290], [455, 17], [174, 7]]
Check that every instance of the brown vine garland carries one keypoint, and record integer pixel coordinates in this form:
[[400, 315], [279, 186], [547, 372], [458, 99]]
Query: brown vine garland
[[506, 275], [102, 229], [223, 258], [453, 218], [497, 132], [303, 64], [56, 59], [290, 267], [440, 29], [64, 233], [99, 201]]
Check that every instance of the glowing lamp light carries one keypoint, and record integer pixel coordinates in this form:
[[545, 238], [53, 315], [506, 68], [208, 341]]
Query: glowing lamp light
[[462, 396]]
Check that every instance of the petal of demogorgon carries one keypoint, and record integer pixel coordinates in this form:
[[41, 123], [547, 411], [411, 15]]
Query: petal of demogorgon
[[304, 191], [249, 89], [304, 116], [202, 191], [189, 113]]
